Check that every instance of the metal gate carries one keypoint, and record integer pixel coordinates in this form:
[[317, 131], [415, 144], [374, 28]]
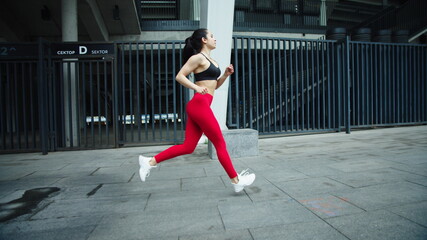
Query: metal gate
[[150, 103], [58, 96], [20, 122], [286, 85]]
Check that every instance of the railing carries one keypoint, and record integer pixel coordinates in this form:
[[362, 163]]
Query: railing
[[387, 84], [19, 119], [284, 85], [21, 67], [296, 85], [81, 97], [280, 86], [52, 102], [151, 104]]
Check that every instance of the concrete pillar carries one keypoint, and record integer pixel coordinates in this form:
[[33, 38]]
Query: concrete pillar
[[217, 16], [195, 6], [323, 13], [69, 21], [70, 34]]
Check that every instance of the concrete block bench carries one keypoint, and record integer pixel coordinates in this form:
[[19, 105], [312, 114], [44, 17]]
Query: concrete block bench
[[240, 143]]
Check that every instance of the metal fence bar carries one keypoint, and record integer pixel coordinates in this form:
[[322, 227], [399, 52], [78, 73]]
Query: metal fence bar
[[107, 91], [347, 99], [263, 84], [145, 77], [130, 92], [311, 82], [166, 87], [33, 108], [243, 87], [123, 92], [340, 82], [279, 91], [268, 86], [257, 85], [423, 88], [17, 105], [174, 95], [3, 111], [316, 107], [292, 46], [83, 77], [250, 85], [332, 86], [236, 89], [42, 98], [138, 94]]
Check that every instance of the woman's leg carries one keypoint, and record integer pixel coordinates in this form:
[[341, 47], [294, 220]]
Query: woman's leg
[[200, 119], [192, 136], [205, 119]]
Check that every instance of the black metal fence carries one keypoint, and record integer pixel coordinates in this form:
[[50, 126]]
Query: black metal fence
[[81, 103], [59, 96], [124, 93], [19, 109], [298, 85], [387, 84], [284, 85], [150, 103], [19, 97]]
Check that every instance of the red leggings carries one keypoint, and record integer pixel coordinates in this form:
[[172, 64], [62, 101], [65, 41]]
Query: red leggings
[[201, 120]]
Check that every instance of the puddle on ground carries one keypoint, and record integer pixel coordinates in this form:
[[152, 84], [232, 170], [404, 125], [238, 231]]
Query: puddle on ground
[[24, 205]]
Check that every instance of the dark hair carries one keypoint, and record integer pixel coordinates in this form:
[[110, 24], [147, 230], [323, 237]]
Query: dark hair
[[193, 44]]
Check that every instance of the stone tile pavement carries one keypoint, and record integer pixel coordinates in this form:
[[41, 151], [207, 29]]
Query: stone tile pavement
[[369, 184]]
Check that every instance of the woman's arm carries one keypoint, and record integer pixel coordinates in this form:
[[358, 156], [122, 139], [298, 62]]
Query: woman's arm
[[189, 67], [228, 71]]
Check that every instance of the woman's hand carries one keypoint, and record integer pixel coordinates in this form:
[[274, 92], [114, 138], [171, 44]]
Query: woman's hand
[[229, 70], [202, 90]]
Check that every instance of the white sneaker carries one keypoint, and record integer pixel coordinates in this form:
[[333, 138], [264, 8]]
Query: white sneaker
[[245, 179], [144, 167]]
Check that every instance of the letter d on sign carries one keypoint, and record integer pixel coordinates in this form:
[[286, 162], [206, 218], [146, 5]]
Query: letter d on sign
[[82, 50]]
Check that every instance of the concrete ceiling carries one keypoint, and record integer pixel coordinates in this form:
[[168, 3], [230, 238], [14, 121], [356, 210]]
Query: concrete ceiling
[[26, 20]]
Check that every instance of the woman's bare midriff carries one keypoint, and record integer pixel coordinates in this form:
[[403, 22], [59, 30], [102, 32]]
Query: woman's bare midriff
[[209, 84]]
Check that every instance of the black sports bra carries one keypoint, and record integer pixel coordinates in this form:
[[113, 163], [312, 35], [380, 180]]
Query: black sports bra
[[212, 73]]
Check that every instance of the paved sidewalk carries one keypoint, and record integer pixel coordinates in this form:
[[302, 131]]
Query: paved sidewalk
[[365, 185]]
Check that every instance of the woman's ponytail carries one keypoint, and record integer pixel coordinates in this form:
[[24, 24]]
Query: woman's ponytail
[[193, 44]]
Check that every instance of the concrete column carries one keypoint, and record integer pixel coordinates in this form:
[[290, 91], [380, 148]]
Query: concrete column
[[323, 13], [70, 34], [217, 16], [195, 7], [69, 20]]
